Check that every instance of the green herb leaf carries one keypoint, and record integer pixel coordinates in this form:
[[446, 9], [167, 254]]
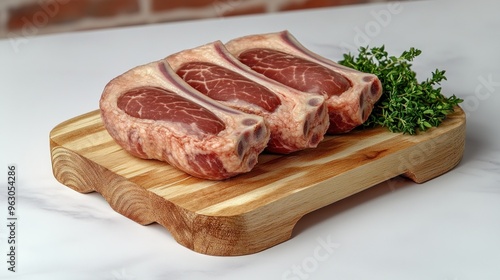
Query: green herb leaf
[[406, 105]]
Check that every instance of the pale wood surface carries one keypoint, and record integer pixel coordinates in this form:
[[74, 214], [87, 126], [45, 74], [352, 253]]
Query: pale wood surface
[[253, 211]]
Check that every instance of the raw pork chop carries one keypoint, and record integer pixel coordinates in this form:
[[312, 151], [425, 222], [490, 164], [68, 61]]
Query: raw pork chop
[[350, 94], [297, 120], [153, 114]]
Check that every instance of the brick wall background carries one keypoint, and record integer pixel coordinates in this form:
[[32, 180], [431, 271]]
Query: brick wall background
[[33, 17]]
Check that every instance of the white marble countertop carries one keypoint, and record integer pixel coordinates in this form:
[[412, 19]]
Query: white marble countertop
[[445, 229]]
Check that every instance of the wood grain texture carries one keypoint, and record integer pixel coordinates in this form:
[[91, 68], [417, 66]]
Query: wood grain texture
[[256, 210]]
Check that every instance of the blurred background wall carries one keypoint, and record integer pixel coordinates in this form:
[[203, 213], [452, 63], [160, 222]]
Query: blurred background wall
[[34, 17]]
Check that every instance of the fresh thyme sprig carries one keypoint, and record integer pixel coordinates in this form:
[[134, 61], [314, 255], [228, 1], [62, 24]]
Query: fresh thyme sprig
[[406, 105]]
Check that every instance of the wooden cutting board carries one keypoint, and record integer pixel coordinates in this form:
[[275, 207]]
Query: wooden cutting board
[[253, 211]]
